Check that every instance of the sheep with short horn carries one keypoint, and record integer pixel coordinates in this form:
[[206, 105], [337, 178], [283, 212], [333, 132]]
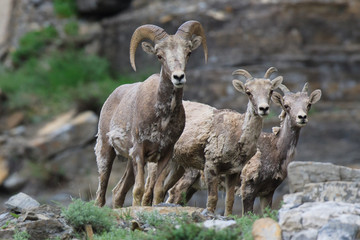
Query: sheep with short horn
[[142, 121], [268, 168], [219, 141]]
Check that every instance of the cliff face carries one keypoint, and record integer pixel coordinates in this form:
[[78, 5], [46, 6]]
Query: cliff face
[[307, 40]]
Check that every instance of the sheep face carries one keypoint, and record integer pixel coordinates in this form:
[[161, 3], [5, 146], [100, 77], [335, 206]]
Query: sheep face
[[173, 52], [297, 105], [259, 91]]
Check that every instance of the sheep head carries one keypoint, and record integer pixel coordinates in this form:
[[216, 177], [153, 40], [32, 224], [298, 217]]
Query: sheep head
[[259, 90], [296, 105], [173, 51]]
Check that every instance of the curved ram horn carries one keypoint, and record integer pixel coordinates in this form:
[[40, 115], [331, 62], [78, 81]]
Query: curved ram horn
[[148, 31], [189, 28], [269, 72], [243, 73], [284, 89], [305, 88]]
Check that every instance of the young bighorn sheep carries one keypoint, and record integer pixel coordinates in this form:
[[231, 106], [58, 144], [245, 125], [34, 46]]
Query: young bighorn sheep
[[268, 168], [220, 141], [142, 121]]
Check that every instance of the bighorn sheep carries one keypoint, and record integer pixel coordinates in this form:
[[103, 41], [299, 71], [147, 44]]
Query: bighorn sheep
[[268, 168], [142, 121], [220, 141]]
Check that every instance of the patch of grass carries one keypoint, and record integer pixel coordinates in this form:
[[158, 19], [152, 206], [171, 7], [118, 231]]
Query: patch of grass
[[23, 235], [32, 43], [124, 234], [71, 28], [65, 8], [196, 232], [80, 213], [55, 83], [125, 215]]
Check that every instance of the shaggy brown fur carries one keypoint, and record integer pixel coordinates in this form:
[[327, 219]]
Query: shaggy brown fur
[[268, 168], [142, 121]]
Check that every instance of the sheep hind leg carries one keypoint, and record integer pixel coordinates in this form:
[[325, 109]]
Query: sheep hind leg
[[151, 167], [182, 186], [164, 183], [247, 203], [266, 201], [230, 192], [212, 181], [105, 156], [123, 186]]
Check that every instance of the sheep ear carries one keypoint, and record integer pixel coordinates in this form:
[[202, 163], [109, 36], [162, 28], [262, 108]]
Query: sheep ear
[[148, 48], [277, 99], [315, 96], [196, 42], [238, 85], [275, 83]]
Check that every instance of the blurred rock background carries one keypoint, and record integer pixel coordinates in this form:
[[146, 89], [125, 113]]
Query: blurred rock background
[[60, 60]]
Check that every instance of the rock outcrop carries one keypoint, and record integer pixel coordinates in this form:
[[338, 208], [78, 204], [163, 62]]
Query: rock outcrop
[[325, 203]]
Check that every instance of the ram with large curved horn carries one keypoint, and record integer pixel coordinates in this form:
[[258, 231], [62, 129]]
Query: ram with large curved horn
[[142, 121]]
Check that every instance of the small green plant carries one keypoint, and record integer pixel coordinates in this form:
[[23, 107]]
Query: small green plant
[[14, 215], [65, 8], [5, 225], [125, 215], [71, 28], [80, 213], [31, 44], [183, 201], [23, 235], [124, 234]]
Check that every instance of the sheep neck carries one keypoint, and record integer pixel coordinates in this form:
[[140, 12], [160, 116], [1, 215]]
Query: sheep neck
[[169, 98], [286, 143], [251, 129]]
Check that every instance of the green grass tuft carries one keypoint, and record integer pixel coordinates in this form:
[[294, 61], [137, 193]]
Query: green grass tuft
[[21, 235], [71, 28], [80, 213], [65, 8], [31, 44]]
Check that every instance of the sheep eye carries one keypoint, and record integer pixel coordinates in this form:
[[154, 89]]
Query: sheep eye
[[308, 107], [188, 55], [287, 107], [159, 57], [248, 92], [271, 92]]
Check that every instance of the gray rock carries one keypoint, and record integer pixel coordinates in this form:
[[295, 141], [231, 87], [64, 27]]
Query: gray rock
[[316, 215], [301, 173], [337, 229], [14, 182], [66, 132], [308, 234], [218, 224], [21, 202], [332, 191]]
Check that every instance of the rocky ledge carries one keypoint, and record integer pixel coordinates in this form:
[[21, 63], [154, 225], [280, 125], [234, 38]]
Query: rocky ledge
[[324, 204]]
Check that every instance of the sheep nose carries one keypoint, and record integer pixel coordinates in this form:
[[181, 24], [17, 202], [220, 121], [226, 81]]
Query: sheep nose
[[179, 77], [264, 109], [302, 117]]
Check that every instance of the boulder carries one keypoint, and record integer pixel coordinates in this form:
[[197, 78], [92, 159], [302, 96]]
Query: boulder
[[332, 191], [42, 222], [218, 224], [318, 216], [301, 173], [21, 202], [266, 229], [66, 132]]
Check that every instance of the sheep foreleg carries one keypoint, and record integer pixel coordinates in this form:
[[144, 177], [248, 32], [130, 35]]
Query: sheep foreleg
[[123, 186], [230, 192]]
